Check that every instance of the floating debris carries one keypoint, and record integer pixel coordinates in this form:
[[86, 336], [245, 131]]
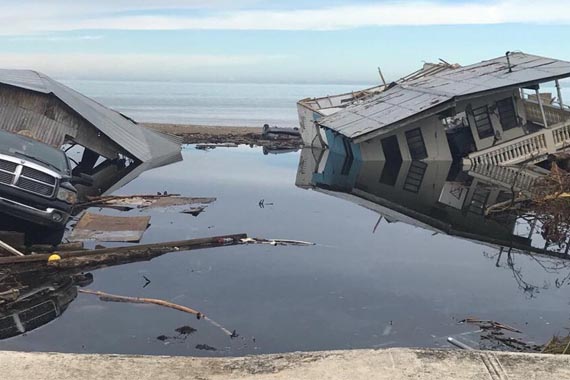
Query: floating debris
[[275, 242], [129, 202], [185, 330], [205, 347], [110, 228], [214, 146], [194, 211]]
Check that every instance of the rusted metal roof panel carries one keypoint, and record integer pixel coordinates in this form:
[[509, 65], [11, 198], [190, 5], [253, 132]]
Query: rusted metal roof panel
[[414, 97], [142, 143]]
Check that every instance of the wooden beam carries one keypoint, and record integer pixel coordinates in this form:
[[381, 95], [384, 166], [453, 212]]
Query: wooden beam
[[142, 250]]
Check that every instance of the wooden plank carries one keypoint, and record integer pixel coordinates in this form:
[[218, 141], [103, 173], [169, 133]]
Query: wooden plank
[[141, 249], [110, 228]]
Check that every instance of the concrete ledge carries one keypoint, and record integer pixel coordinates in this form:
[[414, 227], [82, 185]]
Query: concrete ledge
[[389, 364]]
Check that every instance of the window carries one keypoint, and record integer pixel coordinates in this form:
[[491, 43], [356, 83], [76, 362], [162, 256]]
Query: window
[[416, 144], [415, 176], [483, 122], [507, 113]]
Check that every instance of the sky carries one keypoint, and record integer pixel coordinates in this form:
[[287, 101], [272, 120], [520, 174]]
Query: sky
[[334, 41]]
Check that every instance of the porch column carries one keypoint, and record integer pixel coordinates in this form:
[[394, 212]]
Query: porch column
[[541, 107], [559, 94]]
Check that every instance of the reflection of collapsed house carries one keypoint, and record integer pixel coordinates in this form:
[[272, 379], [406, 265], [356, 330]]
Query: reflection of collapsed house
[[485, 113], [432, 195]]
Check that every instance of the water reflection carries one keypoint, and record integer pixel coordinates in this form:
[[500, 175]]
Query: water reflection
[[439, 196], [31, 299]]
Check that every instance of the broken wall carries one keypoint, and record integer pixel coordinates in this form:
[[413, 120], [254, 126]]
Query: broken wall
[[50, 121]]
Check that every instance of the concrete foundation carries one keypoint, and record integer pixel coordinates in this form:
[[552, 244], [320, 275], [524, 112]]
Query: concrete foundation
[[388, 364]]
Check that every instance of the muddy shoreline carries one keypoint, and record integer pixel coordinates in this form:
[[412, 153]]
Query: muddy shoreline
[[205, 134]]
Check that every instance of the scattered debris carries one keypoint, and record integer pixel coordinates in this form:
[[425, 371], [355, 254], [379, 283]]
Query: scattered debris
[[275, 242], [214, 146], [489, 325], [8, 248], [183, 333], [144, 201], [262, 204], [206, 347], [194, 211], [185, 330], [147, 281], [200, 134], [557, 345], [459, 344], [109, 228], [496, 334]]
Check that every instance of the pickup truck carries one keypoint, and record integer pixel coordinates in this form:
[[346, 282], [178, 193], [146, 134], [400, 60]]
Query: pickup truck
[[35, 181]]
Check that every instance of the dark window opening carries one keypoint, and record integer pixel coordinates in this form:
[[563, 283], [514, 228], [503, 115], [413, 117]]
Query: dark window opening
[[393, 156], [390, 173], [483, 122], [507, 113], [415, 176], [416, 144], [391, 149]]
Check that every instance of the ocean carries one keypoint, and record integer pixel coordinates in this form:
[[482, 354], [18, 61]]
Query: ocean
[[226, 104]]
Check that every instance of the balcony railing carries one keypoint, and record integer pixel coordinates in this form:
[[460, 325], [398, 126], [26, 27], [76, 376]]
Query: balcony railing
[[553, 113], [529, 148]]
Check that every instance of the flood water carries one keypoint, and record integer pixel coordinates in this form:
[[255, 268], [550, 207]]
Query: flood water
[[364, 284]]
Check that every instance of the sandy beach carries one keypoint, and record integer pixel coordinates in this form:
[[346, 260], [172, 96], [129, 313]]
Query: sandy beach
[[203, 134]]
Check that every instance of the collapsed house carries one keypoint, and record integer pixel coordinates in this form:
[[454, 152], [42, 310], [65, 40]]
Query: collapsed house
[[487, 113], [113, 148]]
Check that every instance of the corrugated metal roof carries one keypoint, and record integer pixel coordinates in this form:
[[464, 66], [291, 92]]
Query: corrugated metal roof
[[140, 142], [431, 93]]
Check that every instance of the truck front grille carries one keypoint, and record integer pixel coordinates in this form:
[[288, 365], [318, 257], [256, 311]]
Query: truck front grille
[[27, 178], [38, 176], [8, 166], [35, 187], [6, 178]]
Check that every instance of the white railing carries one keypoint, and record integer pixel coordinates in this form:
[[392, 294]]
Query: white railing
[[553, 114], [514, 177], [532, 147]]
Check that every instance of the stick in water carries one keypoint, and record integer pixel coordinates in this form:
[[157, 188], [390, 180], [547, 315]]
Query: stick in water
[[106, 297]]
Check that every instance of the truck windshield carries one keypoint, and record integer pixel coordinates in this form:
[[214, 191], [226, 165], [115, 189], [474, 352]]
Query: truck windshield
[[23, 147]]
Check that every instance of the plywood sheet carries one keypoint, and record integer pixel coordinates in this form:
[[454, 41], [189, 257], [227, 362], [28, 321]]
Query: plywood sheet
[[110, 228]]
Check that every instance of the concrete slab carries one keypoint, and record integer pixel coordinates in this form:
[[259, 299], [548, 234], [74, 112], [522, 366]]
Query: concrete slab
[[386, 364]]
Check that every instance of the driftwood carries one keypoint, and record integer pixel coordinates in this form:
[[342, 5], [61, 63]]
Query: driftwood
[[106, 297], [115, 298]]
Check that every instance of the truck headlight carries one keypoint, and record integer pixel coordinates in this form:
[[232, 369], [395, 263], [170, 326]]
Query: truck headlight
[[67, 195]]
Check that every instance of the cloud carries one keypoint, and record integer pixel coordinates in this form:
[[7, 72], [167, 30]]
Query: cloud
[[134, 66], [123, 15], [57, 38]]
